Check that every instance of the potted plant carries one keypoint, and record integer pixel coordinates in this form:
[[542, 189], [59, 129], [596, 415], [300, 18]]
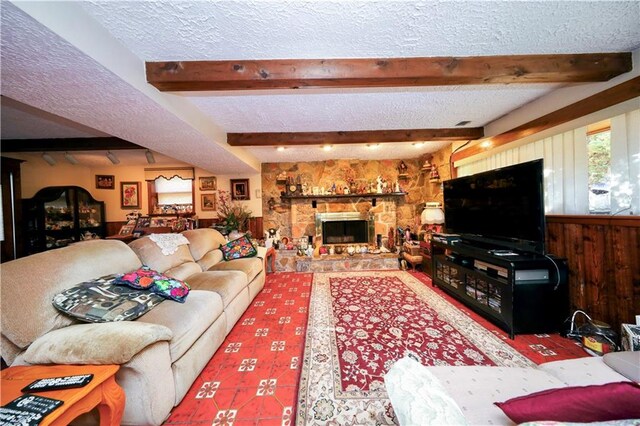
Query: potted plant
[[234, 216]]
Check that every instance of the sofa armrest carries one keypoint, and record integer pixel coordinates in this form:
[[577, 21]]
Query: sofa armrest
[[262, 252], [104, 343]]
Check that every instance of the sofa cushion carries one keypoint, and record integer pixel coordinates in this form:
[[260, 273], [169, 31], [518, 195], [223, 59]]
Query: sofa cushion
[[186, 321], [101, 300], [250, 267], [203, 240], [625, 363], [108, 343], [582, 371], [594, 403], [178, 265], [26, 310], [228, 284], [238, 249], [210, 259], [476, 388]]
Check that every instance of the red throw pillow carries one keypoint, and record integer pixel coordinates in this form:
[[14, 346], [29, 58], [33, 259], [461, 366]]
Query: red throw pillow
[[595, 403]]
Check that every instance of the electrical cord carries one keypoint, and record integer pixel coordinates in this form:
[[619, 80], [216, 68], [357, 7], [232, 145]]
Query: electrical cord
[[557, 271]]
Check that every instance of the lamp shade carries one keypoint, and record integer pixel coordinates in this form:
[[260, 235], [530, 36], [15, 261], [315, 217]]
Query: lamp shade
[[432, 214]]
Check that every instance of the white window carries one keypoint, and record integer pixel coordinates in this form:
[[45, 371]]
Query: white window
[[574, 181], [174, 191], [599, 150]]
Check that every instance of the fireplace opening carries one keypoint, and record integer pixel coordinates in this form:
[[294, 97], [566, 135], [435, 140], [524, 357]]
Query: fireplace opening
[[345, 231]]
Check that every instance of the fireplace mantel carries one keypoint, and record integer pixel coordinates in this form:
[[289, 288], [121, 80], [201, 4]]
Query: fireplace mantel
[[318, 197]]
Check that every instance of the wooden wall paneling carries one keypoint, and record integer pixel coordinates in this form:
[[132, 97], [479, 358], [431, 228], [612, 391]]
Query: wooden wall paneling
[[256, 227], [603, 254], [594, 253], [625, 274], [113, 228]]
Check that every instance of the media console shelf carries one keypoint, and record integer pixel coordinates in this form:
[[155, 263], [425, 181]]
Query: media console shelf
[[520, 294]]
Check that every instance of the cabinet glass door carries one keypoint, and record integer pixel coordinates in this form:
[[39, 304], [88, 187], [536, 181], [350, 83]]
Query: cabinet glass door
[[89, 213], [59, 214]]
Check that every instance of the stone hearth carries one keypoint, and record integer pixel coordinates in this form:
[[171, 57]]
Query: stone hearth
[[288, 261]]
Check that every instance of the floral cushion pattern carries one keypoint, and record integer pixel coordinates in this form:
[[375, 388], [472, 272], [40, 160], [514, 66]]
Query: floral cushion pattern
[[101, 300], [154, 281], [237, 249], [142, 278]]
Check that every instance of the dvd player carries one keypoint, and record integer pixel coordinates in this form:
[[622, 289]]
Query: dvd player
[[446, 238], [521, 275]]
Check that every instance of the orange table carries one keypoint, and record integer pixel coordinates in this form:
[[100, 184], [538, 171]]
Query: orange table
[[102, 392]]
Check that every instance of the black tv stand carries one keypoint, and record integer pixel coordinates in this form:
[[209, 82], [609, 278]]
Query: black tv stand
[[521, 292]]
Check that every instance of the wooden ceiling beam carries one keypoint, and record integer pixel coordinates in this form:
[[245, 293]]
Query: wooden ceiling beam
[[353, 137], [66, 144], [187, 76], [622, 92]]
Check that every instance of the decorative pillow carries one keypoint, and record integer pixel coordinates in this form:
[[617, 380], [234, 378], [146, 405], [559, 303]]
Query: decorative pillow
[[595, 403], [102, 301], [171, 288], [147, 278], [237, 249], [141, 279]]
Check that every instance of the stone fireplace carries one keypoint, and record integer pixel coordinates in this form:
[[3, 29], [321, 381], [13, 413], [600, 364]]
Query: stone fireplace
[[345, 228]]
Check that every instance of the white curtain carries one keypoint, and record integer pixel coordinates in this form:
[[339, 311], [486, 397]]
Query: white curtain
[[565, 158]]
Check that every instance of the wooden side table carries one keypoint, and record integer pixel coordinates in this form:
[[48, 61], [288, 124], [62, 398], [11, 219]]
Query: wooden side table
[[270, 258], [102, 392]]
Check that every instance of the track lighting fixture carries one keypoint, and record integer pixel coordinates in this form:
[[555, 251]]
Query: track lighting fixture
[[150, 158], [70, 158], [112, 157], [48, 158]]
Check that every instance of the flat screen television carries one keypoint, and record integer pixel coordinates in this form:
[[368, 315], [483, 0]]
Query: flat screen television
[[502, 207]]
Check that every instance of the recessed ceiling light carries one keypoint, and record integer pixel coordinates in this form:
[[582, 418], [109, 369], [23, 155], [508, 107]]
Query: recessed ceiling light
[[280, 148], [463, 123], [327, 147], [417, 144], [486, 144], [373, 145]]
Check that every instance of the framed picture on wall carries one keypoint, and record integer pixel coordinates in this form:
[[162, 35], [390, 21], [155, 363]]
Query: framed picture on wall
[[105, 182], [208, 202], [130, 195], [240, 189], [208, 183]]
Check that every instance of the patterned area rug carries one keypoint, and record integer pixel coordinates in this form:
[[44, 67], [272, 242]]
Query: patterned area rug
[[362, 322], [252, 379]]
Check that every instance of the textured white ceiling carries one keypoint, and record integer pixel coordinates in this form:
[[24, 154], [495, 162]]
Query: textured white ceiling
[[18, 124], [413, 108], [384, 151], [98, 159], [43, 70], [165, 30]]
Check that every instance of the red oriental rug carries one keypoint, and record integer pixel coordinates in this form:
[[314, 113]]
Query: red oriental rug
[[360, 323]]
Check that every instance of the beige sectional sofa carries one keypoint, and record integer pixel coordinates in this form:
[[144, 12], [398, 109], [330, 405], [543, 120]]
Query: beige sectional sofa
[[462, 395], [162, 352]]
